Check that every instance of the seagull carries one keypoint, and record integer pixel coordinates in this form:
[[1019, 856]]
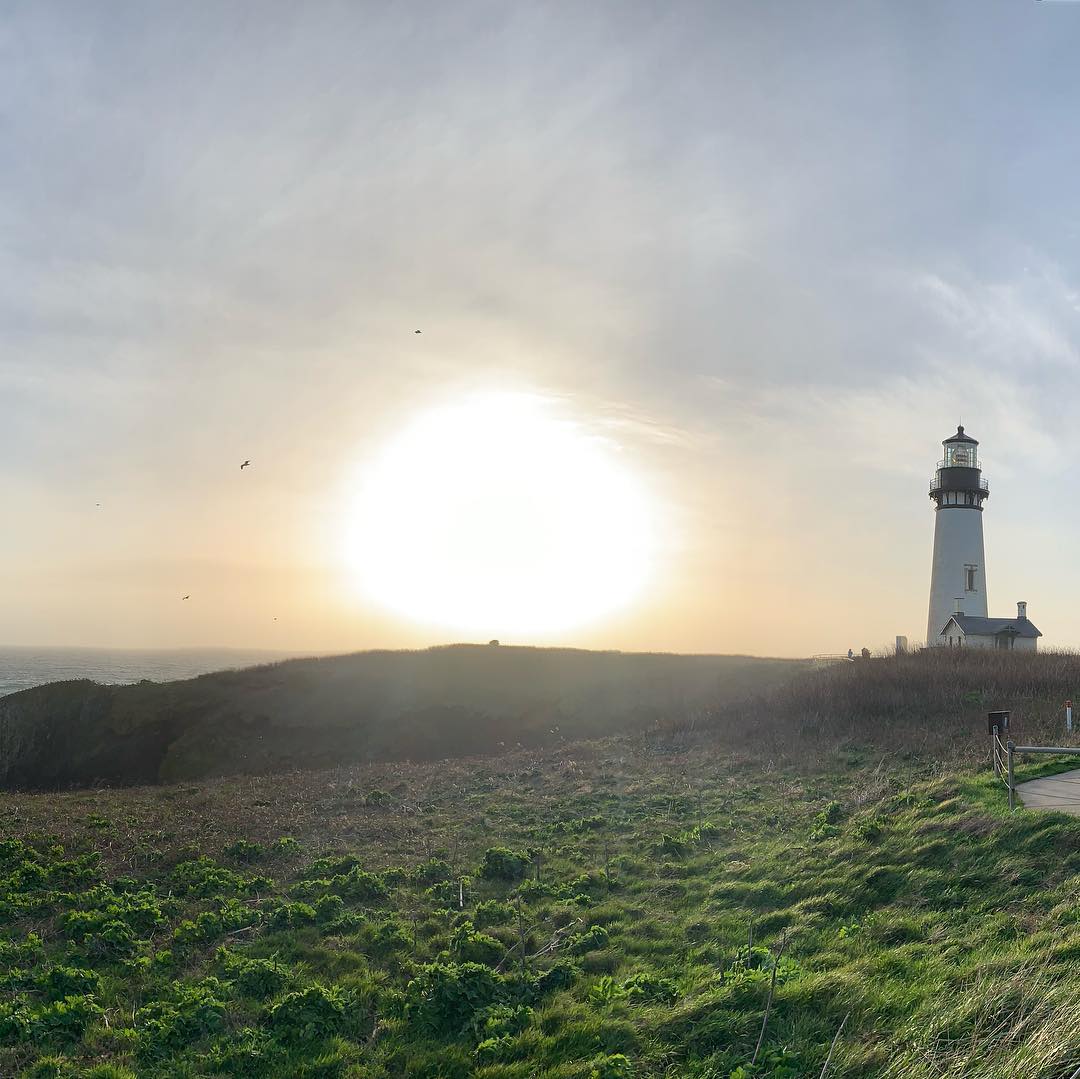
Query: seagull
[[244, 465], [185, 597]]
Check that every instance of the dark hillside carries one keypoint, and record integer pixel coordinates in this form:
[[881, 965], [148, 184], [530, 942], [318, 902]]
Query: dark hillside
[[310, 713]]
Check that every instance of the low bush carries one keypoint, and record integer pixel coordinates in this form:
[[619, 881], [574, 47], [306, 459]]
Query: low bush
[[501, 863], [310, 1014]]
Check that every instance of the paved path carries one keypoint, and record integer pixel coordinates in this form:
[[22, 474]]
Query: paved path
[[1060, 792]]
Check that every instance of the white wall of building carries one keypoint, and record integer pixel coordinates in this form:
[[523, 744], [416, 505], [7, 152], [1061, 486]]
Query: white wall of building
[[958, 544], [972, 640]]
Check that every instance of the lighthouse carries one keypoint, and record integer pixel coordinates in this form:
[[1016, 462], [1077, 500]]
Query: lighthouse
[[958, 575]]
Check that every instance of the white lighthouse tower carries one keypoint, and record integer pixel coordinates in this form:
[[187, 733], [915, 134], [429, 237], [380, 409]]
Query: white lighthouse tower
[[958, 577]]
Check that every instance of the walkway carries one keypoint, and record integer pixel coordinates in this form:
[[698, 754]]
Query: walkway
[[1060, 792]]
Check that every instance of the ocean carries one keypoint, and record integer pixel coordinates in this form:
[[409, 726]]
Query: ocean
[[21, 668]]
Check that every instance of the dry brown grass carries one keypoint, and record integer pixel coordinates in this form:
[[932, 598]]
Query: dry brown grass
[[931, 703]]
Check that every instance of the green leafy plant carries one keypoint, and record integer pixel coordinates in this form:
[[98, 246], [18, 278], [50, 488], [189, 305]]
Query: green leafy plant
[[502, 863], [309, 1014]]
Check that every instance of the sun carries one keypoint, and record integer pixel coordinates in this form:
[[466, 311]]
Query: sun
[[495, 515]]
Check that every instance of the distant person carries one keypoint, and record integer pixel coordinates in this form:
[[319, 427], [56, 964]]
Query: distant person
[[866, 653], [850, 654]]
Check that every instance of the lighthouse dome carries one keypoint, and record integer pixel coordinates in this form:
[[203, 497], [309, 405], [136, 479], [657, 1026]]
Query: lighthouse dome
[[960, 436]]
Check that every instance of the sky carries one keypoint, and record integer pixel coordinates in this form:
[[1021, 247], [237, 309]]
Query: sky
[[763, 255]]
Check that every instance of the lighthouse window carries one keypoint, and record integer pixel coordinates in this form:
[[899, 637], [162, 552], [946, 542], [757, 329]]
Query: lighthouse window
[[969, 578], [962, 456]]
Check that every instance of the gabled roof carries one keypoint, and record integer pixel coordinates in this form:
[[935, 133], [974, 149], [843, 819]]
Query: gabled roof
[[990, 627]]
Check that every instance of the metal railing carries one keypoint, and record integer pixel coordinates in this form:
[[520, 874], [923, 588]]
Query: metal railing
[[945, 464], [825, 658], [935, 484], [1005, 752]]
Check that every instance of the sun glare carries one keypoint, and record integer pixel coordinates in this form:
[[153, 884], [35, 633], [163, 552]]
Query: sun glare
[[495, 516]]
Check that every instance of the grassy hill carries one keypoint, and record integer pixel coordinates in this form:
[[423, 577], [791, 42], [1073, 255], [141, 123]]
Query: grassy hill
[[602, 911], [309, 713], [801, 895]]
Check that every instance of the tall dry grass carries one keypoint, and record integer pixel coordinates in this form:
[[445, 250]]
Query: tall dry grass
[[933, 701]]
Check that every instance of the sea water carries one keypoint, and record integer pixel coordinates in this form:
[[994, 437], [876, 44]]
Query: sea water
[[21, 668]]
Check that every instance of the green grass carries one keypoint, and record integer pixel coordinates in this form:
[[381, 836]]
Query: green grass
[[368, 923]]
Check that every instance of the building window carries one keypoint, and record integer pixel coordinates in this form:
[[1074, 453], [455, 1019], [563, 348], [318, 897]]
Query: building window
[[969, 578]]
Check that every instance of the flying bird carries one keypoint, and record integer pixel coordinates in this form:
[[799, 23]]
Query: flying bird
[[416, 331], [185, 597], [244, 465]]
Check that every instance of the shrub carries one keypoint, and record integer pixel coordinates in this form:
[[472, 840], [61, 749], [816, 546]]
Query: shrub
[[115, 940], [194, 1012], [495, 1050], [605, 990], [291, 916], [214, 924], [388, 937], [245, 851], [444, 998], [208, 880], [260, 978], [468, 946], [869, 828], [307, 889], [67, 1018], [596, 936], [447, 893], [309, 1014], [331, 867], [499, 1020], [19, 952], [501, 863], [433, 871], [63, 982], [249, 1054], [562, 975], [639, 988], [359, 886], [328, 908], [347, 923], [492, 912], [613, 1066], [16, 1022]]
